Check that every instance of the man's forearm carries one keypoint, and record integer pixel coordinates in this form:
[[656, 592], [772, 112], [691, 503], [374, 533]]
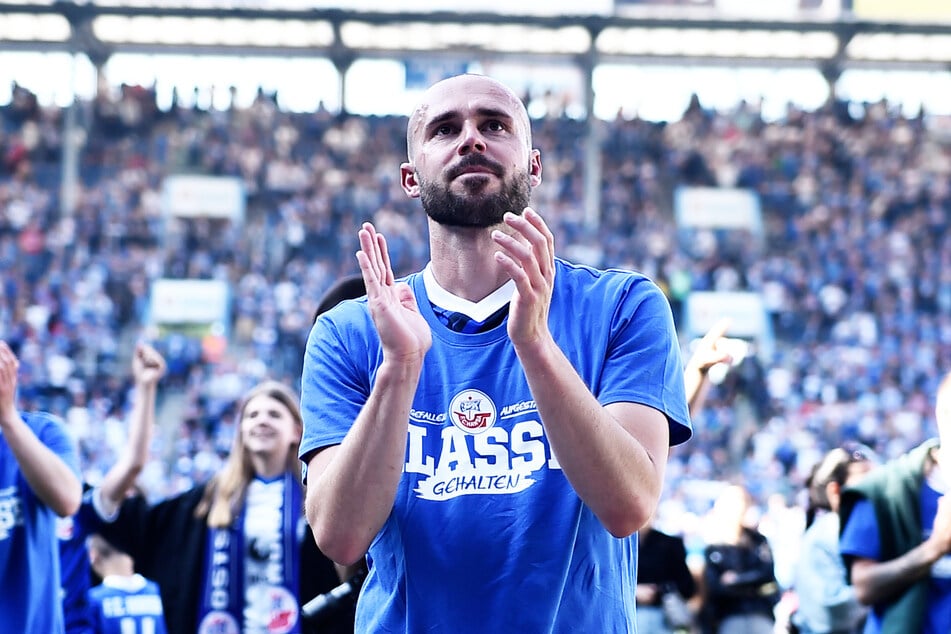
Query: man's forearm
[[696, 385], [51, 479], [875, 581], [352, 493], [121, 477], [609, 464]]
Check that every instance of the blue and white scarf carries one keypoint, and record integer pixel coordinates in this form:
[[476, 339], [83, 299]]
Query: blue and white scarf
[[221, 610]]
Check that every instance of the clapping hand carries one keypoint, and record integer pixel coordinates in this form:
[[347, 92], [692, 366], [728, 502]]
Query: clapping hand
[[404, 333], [529, 259]]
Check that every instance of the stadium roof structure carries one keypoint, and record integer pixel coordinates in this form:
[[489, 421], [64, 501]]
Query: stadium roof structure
[[624, 33]]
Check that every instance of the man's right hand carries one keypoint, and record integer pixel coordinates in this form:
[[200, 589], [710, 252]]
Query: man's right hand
[[404, 333]]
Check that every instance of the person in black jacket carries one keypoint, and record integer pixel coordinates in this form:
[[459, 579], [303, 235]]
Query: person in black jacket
[[740, 589], [663, 577], [662, 570]]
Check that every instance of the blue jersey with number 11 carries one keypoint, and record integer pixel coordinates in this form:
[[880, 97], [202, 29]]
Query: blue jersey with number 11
[[131, 607]]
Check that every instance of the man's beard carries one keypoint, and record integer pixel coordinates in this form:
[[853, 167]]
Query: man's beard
[[475, 210]]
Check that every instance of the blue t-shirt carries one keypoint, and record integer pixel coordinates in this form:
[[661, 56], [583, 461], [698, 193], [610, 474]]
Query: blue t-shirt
[[29, 552], [486, 533], [127, 605], [860, 538]]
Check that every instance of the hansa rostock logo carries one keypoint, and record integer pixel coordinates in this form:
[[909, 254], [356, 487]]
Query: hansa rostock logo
[[472, 411]]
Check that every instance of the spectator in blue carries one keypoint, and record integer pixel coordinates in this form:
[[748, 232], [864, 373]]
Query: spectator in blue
[[39, 481], [896, 535], [124, 602]]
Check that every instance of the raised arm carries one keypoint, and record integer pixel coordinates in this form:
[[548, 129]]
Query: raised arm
[[615, 455], [351, 487], [148, 367], [49, 476], [709, 352]]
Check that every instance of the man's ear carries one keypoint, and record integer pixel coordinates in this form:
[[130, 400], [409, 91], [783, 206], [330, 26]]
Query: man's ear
[[535, 168], [408, 180]]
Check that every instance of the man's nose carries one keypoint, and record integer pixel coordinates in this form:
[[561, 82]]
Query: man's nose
[[471, 139]]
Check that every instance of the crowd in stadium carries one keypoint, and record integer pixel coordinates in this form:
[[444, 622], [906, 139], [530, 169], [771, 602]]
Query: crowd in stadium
[[855, 266]]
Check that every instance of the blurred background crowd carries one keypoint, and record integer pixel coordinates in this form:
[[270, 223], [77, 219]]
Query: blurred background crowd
[[854, 266]]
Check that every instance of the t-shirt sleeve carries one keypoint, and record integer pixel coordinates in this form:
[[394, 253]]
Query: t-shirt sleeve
[[333, 388], [52, 432], [859, 537], [644, 363]]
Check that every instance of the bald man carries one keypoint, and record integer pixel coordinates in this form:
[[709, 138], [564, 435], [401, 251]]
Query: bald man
[[493, 430]]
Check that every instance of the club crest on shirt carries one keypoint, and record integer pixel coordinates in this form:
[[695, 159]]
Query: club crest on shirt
[[472, 411]]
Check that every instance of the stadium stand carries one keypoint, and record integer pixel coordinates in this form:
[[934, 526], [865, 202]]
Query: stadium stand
[[855, 201]]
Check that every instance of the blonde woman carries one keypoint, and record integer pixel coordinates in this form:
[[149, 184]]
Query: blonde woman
[[228, 554]]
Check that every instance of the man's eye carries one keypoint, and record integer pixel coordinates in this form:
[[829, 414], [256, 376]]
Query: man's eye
[[495, 126], [444, 129]]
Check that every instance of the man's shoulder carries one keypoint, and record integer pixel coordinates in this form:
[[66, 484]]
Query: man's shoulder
[[617, 294], [586, 277], [95, 594]]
